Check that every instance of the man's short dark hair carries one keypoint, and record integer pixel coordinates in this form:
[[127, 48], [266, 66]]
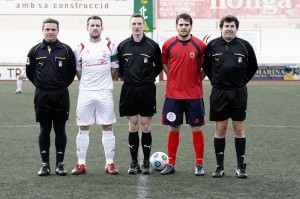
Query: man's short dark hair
[[184, 16], [94, 17], [137, 15], [50, 20], [229, 18]]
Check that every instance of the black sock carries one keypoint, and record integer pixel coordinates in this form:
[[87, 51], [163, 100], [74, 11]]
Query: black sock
[[146, 145], [134, 143], [44, 140], [240, 147], [219, 144], [60, 139]]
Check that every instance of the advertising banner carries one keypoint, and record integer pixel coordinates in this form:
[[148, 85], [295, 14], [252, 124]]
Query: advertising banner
[[145, 8], [66, 7], [215, 9], [277, 73]]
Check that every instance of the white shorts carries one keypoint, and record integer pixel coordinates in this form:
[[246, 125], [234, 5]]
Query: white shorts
[[95, 106]]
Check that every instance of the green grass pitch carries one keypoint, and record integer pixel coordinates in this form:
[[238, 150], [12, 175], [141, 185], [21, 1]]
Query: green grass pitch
[[272, 157]]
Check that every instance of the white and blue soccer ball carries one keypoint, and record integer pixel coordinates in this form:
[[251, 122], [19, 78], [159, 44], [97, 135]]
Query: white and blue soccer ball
[[159, 160]]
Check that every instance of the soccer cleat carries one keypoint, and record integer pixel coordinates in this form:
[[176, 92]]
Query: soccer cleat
[[146, 167], [241, 171], [199, 171], [60, 170], [111, 169], [45, 170], [18, 92], [169, 169], [79, 169], [219, 172], [134, 168]]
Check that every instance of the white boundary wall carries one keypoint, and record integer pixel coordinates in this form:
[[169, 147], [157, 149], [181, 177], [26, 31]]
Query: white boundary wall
[[274, 40]]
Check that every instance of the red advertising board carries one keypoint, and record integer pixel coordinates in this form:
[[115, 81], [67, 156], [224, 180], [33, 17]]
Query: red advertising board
[[215, 9]]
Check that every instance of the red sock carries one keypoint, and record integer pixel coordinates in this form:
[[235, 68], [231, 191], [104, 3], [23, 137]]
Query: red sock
[[198, 141], [173, 143]]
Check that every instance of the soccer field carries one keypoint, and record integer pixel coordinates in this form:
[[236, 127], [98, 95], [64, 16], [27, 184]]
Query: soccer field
[[272, 130]]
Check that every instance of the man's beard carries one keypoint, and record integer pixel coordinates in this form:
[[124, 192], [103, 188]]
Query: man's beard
[[185, 35], [95, 36]]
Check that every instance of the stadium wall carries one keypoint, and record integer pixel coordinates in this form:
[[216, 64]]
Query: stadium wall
[[272, 27]]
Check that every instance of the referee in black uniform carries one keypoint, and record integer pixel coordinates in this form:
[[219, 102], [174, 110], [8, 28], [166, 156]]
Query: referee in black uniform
[[139, 64], [51, 68], [230, 63]]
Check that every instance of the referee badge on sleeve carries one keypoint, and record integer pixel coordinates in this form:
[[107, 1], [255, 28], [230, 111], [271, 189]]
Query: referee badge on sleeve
[[60, 63], [27, 61]]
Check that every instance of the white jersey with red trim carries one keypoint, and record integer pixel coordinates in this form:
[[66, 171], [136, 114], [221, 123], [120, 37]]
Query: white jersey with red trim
[[95, 61]]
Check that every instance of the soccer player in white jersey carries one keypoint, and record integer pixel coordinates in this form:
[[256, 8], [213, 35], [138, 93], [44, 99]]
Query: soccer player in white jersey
[[20, 78], [97, 66]]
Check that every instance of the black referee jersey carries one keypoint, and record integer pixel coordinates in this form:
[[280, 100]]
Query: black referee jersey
[[229, 64], [139, 62], [51, 66]]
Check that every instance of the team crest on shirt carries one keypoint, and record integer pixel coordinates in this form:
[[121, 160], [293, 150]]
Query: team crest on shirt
[[240, 59], [60, 64], [145, 60], [192, 54]]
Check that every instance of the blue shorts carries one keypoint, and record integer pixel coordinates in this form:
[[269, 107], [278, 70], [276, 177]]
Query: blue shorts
[[174, 109]]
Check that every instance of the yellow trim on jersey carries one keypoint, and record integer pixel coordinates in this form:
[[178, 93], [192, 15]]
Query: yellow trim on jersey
[[40, 58]]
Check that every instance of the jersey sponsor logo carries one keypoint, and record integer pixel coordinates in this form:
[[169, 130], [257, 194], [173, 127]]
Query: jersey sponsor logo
[[40, 63], [171, 116], [100, 62]]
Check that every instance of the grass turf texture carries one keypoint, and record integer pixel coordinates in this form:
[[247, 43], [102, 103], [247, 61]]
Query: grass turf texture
[[272, 157]]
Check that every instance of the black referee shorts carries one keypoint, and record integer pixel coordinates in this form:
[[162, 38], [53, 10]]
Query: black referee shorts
[[137, 100], [226, 104], [51, 105]]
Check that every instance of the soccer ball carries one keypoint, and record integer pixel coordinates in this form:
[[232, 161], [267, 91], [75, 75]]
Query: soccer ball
[[159, 160]]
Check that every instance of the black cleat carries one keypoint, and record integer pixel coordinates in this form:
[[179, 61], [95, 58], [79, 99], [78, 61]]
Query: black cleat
[[45, 170], [199, 171], [219, 172], [146, 167], [241, 171], [169, 169], [60, 170], [134, 168]]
